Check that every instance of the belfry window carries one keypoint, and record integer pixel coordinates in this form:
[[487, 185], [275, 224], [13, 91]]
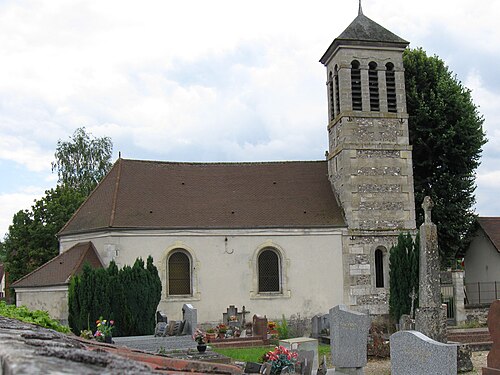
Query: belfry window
[[337, 94], [330, 96], [379, 268], [269, 271], [390, 81], [179, 273], [356, 86], [373, 85]]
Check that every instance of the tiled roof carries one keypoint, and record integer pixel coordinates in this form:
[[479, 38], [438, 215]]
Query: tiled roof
[[58, 270], [363, 31], [491, 226], [163, 195]]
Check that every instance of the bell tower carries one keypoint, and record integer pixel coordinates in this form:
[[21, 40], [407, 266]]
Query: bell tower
[[369, 157]]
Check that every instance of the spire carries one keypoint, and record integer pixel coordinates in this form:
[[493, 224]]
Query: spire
[[360, 11]]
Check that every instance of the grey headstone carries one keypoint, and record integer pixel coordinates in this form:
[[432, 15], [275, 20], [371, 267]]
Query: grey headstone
[[348, 337], [306, 358], [161, 317], [413, 353], [405, 323], [161, 329], [315, 326], [190, 315]]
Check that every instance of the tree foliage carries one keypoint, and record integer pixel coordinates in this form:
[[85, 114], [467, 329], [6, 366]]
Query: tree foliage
[[403, 275], [129, 296], [446, 135], [31, 240], [83, 161]]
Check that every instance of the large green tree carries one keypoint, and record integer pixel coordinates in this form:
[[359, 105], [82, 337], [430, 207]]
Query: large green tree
[[31, 240], [82, 161], [446, 134]]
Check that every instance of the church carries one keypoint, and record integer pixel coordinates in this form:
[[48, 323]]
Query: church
[[280, 238]]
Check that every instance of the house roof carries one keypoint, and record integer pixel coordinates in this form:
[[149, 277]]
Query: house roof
[[364, 32], [491, 226], [58, 270], [162, 195]]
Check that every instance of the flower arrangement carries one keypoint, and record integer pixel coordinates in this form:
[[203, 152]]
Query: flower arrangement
[[200, 337], [233, 318], [280, 359], [271, 326], [221, 328], [104, 329]]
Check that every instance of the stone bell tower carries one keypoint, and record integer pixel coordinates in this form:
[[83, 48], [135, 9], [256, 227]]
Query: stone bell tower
[[369, 157]]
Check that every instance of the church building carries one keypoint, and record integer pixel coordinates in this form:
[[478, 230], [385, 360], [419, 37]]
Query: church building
[[280, 238]]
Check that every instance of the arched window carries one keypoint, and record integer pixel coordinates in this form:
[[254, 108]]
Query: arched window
[[356, 86], [373, 85], [390, 81], [179, 273], [330, 96], [337, 93], [379, 268], [269, 271]]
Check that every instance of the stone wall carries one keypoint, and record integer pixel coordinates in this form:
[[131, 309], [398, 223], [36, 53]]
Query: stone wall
[[476, 314]]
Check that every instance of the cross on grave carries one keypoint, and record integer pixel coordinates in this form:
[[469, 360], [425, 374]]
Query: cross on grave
[[427, 205], [413, 297], [243, 313]]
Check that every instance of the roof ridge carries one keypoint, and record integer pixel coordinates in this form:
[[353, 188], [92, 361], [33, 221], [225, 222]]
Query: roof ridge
[[223, 162]]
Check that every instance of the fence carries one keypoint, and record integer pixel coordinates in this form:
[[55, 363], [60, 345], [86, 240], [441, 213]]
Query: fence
[[482, 292], [448, 298]]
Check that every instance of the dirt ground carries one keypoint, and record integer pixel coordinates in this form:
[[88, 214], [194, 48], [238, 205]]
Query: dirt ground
[[383, 366]]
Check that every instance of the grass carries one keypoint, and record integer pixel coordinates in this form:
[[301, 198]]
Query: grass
[[255, 353]]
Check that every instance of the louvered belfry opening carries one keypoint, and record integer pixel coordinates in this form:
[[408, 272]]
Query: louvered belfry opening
[[373, 85], [379, 268], [357, 104], [337, 91], [390, 81], [330, 96], [269, 275], [179, 274]]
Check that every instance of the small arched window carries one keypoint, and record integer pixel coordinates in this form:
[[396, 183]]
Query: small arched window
[[269, 271], [379, 268], [390, 81], [337, 93], [373, 85], [179, 273], [356, 86], [330, 96]]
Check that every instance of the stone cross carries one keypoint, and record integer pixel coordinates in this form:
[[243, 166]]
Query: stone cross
[[413, 297], [427, 205], [243, 313]]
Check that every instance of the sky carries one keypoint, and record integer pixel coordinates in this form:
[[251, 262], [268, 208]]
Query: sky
[[219, 80]]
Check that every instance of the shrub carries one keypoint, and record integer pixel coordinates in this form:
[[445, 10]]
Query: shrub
[[37, 317]]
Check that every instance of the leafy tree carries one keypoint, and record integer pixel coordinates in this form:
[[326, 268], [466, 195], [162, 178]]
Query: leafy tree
[[31, 240], [83, 161], [446, 134], [403, 275]]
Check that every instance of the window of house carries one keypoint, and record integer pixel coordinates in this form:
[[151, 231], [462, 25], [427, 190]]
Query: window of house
[[373, 85], [179, 274], [356, 86], [390, 81], [337, 93], [269, 271], [379, 268]]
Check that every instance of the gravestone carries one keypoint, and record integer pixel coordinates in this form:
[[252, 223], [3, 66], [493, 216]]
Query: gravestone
[[348, 339], [493, 361], [232, 318], [161, 324], [413, 353], [259, 326], [306, 360], [429, 317], [315, 324], [190, 317], [405, 323]]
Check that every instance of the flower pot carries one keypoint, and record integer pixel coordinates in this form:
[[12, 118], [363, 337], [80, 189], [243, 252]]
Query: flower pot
[[108, 339], [211, 336], [201, 348]]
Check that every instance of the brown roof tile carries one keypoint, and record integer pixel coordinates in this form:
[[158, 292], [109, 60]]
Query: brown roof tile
[[58, 270], [491, 226], [151, 194]]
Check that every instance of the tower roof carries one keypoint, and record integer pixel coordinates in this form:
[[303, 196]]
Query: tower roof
[[364, 32]]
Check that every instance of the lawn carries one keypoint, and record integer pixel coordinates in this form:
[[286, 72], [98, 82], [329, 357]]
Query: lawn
[[255, 353]]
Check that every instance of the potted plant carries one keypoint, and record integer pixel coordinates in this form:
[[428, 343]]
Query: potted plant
[[222, 329], [201, 339], [211, 334], [104, 330], [281, 358]]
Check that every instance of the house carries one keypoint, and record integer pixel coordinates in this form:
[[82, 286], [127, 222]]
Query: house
[[279, 238], [482, 262], [46, 288], [2, 281]]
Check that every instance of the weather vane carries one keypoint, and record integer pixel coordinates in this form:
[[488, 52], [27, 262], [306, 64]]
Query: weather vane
[[360, 11]]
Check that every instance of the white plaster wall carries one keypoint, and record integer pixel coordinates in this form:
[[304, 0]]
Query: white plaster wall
[[225, 270], [2, 285], [54, 300], [482, 260]]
